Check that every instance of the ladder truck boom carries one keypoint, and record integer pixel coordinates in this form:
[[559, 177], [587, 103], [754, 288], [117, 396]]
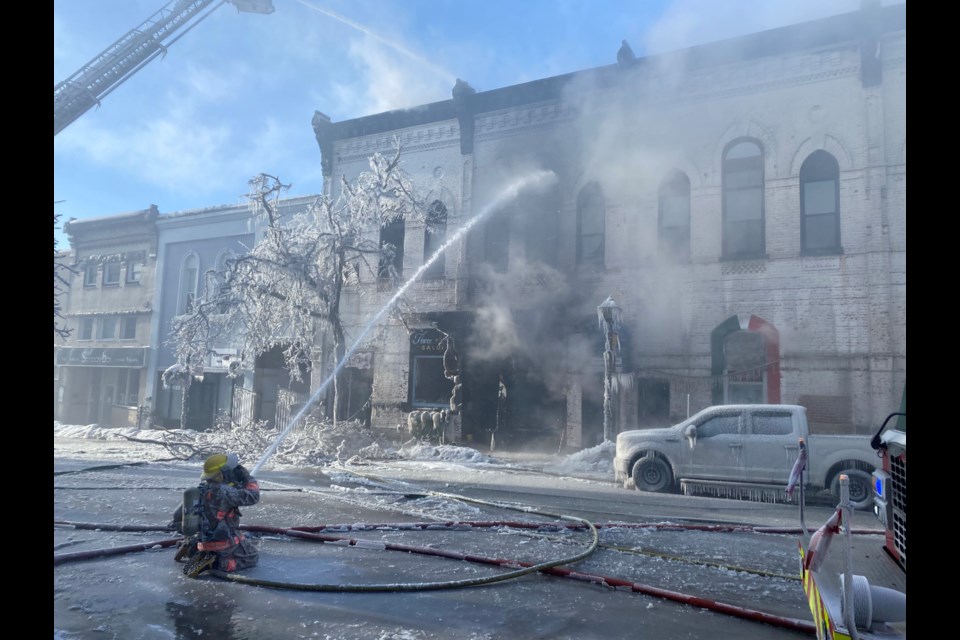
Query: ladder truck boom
[[84, 89]]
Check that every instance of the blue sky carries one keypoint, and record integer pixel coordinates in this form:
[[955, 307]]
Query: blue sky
[[235, 96]]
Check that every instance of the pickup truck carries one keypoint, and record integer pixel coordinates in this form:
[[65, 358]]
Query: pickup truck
[[728, 449]]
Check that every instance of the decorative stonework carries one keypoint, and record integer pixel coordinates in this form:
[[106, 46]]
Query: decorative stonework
[[432, 285], [823, 263], [538, 281], [414, 139], [703, 87], [743, 267], [127, 256], [490, 124]]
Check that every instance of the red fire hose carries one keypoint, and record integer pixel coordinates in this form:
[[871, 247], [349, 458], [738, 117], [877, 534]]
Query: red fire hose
[[307, 533]]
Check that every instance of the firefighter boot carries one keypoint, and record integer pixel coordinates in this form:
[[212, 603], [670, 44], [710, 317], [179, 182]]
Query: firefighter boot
[[187, 548], [199, 563]]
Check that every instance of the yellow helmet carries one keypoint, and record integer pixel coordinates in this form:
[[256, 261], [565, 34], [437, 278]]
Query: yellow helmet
[[213, 466]]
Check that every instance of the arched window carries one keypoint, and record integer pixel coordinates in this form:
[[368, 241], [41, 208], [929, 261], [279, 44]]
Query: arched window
[[820, 204], [674, 217], [743, 200], [391, 250], [540, 212], [496, 239], [189, 272], [591, 214], [217, 277], [434, 236]]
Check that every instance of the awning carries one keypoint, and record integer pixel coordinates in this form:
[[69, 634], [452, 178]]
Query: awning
[[102, 357]]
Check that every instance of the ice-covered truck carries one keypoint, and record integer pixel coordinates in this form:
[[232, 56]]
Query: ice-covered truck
[[743, 450]]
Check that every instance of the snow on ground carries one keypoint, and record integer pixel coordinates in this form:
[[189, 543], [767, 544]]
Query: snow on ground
[[595, 461], [318, 444]]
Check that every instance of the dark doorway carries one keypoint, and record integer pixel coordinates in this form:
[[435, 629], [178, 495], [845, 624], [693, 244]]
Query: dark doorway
[[270, 374], [653, 402], [357, 386], [591, 411], [203, 402]]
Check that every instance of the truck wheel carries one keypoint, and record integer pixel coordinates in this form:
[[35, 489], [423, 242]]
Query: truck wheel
[[861, 488], [652, 474]]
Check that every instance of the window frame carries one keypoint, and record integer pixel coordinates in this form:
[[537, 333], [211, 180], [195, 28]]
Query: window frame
[[123, 387], [104, 322], [758, 416], [134, 270], [90, 278], [825, 168], [675, 185], [124, 321], [80, 333], [591, 193], [187, 296], [742, 165], [415, 379], [108, 268], [738, 418], [433, 239], [540, 213], [394, 230], [496, 240]]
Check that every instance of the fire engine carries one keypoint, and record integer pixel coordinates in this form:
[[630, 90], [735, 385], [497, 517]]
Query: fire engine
[[890, 482], [844, 586]]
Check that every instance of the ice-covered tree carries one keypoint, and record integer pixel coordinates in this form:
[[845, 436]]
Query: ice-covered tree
[[287, 289]]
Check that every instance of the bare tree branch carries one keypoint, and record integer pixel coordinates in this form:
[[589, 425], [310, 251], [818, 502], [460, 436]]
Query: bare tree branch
[[286, 291]]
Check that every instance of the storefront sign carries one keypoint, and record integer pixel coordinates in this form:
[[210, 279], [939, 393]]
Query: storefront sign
[[426, 341], [99, 357]]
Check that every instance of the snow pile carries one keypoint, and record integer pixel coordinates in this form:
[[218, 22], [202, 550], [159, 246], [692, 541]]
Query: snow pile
[[413, 450], [595, 460], [96, 432], [314, 443], [317, 443], [375, 452]]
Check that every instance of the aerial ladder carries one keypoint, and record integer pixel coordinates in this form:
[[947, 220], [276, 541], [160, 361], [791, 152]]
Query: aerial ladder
[[88, 86]]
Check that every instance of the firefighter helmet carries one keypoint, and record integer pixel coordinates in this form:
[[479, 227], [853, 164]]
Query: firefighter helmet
[[213, 466]]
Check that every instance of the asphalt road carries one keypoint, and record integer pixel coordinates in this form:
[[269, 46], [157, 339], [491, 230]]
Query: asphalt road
[[144, 595]]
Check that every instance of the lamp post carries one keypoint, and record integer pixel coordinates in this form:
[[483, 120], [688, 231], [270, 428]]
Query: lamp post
[[608, 316]]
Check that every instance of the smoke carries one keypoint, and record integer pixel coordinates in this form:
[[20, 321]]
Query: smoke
[[520, 315], [641, 123], [686, 23]]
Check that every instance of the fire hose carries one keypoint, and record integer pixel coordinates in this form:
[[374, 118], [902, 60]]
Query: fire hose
[[549, 568], [519, 568]]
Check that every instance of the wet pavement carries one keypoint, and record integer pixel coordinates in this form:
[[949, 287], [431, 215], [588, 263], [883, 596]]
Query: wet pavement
[[144, 595]]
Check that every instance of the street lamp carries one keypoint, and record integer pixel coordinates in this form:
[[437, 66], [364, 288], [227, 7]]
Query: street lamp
[[608, 316]]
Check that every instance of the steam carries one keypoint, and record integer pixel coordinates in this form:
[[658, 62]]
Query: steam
[[533, 180], [440, 72]]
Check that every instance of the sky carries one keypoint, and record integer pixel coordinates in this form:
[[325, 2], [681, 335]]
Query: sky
[[235, 95]]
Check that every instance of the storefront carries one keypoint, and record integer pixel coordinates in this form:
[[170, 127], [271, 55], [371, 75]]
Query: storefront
[[100, 385]]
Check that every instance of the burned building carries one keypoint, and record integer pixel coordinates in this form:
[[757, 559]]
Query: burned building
[[742, 202]]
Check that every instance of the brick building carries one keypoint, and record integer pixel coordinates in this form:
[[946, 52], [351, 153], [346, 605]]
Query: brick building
[[101, 366], [743, 202]]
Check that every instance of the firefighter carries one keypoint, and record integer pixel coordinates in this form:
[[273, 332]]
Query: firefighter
[[218, 544]]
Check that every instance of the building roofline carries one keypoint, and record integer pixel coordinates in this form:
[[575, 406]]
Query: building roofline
[[189, 216], [88, 224], [848, 27]]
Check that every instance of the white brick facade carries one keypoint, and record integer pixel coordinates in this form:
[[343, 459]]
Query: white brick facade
[[841, 317]]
